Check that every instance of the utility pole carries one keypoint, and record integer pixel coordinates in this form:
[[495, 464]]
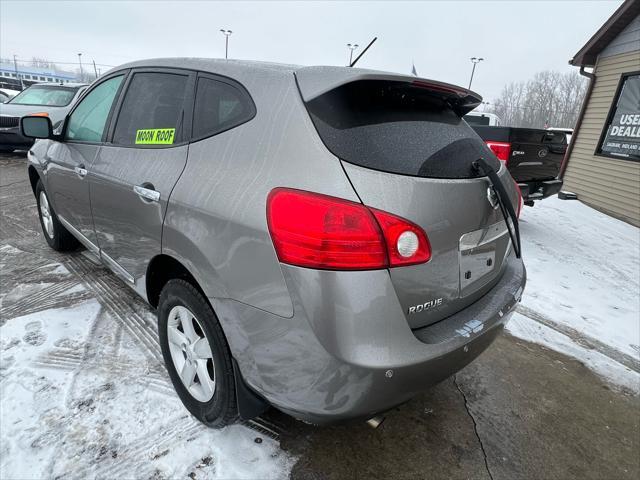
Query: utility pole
[[18, 76], [475, 61], [351, 49], [95, 70], [226, 34], [81, 72]]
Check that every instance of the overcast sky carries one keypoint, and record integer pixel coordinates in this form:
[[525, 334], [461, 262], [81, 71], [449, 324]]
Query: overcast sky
[[516, 38]]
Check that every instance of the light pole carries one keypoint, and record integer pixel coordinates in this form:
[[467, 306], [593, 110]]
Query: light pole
[[81, 72], [226, 34], [351, 48], [475, 61], [15, 65]]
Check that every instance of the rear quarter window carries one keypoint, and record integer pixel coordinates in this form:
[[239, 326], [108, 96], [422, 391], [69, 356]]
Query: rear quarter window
[[219, 106], [397, 127]]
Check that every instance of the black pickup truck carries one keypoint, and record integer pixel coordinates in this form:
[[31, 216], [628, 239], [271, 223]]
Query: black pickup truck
[[532, 156]]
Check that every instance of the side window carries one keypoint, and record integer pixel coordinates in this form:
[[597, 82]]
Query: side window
[[87, 122], [219, 106], [152, 110]]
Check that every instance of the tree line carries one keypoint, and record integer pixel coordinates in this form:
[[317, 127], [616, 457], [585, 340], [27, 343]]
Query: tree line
[[549, 99]]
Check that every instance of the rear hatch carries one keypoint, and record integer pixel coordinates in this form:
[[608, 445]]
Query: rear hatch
[[406, 150]]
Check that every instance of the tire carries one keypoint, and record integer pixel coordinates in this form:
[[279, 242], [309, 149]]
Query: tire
[[54, 232], [219, 409]]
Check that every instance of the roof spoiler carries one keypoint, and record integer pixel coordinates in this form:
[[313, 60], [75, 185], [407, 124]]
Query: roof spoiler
[[315, 81]]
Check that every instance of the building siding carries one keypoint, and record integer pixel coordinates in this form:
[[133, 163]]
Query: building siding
[[608, 184]]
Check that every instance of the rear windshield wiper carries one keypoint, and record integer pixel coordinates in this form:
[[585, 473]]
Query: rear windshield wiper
[[506, 207]]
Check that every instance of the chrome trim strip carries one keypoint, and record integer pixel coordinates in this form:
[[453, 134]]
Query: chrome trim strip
[[117, 268], [526, 164], [110, 262], [92, 247]]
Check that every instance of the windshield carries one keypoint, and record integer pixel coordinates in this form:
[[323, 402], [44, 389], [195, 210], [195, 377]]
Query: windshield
[[50, 95], [477, 119]]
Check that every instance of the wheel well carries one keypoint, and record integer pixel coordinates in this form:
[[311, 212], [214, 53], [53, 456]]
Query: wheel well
[[161, 269], [33, 178]]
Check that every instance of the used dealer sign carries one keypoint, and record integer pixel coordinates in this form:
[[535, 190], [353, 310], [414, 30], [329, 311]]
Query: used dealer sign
[[622, 138]]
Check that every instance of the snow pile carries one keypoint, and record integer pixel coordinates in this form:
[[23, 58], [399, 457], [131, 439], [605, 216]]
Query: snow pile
[[583, 288], [83, 397]]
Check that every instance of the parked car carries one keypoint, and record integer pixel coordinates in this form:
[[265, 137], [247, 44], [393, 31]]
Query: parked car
[[7, 94], [480, 118], [533, 156], [567, 131], [47, 99], [321, 239]]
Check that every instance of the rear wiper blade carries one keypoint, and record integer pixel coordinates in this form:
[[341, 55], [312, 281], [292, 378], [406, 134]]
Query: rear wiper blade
[[506, 207]]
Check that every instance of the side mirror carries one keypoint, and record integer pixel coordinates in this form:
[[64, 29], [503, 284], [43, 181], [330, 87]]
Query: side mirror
[[36, 126]]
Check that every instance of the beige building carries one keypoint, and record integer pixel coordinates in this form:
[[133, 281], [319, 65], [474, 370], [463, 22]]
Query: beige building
[[602, 165]]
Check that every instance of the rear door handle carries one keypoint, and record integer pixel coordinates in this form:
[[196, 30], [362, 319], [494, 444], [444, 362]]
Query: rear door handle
[[147, 193], [80, 171]]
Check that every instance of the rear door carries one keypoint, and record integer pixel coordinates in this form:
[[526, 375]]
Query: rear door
[[536, 154], [407, 151], [134, 173]]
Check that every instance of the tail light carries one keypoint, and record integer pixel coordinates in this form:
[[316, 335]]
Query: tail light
[[319, 231], [502, 150]]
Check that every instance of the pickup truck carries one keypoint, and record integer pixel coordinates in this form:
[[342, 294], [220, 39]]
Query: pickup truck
[[532, 156]]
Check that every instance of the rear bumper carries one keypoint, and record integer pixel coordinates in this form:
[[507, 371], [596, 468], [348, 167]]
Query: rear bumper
[[539, 189], [348, 351], [12, 138]]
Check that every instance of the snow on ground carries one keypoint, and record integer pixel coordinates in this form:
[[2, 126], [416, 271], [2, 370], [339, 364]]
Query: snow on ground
[[84, 393], [583, 281]]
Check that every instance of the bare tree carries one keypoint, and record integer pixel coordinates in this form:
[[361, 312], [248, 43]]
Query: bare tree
[[548, 99]]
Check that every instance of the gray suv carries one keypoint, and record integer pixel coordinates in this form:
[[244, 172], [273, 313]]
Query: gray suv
[[327, 240]]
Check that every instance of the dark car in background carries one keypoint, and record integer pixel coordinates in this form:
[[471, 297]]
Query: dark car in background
[[45, 99], [532, 156]]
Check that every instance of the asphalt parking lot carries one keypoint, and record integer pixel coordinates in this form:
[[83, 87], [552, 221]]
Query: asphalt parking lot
[[519, 411]]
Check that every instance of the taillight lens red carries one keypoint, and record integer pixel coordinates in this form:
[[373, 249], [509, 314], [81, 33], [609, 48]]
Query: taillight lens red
[[319, 231], [502, 150]]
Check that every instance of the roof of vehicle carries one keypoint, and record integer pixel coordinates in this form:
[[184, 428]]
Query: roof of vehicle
[[315, 79], [213, 65], [51, 84]]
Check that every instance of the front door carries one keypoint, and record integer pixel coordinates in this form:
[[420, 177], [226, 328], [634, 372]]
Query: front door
[[68, 162], [133, 175]]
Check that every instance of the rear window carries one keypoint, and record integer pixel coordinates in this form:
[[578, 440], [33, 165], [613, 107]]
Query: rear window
[[397, 127]]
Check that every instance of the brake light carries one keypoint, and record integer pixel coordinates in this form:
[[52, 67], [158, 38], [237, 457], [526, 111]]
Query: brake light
[[502, 150], [319, 231]]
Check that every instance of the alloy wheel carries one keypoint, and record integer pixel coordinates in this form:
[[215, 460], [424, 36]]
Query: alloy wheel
[[191, 353], [45, 215]]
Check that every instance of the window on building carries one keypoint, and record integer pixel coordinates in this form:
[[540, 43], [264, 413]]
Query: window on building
[[621, 135]]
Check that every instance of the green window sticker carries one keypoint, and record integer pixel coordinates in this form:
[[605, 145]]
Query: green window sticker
[[155, 136]]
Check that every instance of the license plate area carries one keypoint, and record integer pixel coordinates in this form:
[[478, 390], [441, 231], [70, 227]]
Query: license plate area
[[478, 254]]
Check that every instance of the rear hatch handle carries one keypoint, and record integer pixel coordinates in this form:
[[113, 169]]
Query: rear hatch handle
[[506, 207]]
